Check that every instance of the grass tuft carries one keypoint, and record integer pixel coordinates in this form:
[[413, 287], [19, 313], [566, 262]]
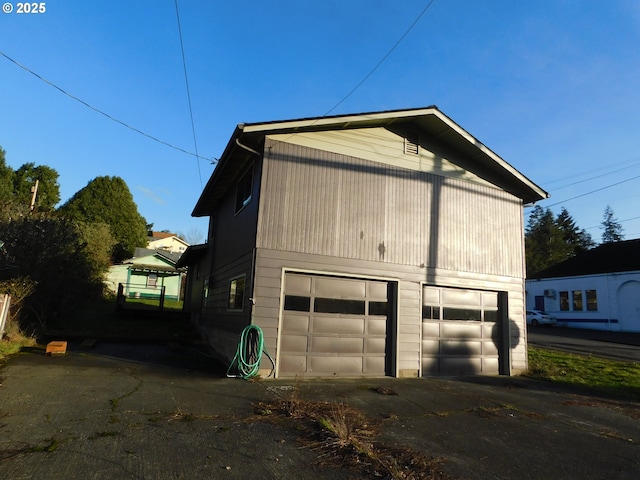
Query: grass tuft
[[344, 437]]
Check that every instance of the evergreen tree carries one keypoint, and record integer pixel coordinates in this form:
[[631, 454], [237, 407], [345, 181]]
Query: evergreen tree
[[24, 179], [577, 240], [544, 242], [108, 200], [6, 179], [550, 240], [611, 228]]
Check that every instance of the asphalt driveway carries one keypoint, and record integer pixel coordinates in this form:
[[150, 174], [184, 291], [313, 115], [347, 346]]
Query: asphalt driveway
[[165, 413]]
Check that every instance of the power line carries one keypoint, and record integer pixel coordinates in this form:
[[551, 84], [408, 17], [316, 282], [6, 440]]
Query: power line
[[353, 90], [97, 110], [186, 81], [594, 191], [619, 221], [596, 177]]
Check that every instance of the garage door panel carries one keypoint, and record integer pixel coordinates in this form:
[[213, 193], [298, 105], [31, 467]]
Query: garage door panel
[[375, 345], [489, 348], [339, 288], [335, 365], [375, 364], [430, 347], [489, 330], [458, 366], [295, 323], [336, 345], [460, 347], [338, 325], [430, 330], [464, 330], [377, 290], [293, 363], [297, 284], [430, 365], [377, 326], [490, 364], [294, 343], [452, 296]]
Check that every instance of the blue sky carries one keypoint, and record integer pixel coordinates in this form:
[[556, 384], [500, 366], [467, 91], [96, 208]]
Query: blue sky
[[551, 86]]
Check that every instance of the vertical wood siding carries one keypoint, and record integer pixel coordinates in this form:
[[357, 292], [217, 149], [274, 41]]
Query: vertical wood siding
[[323, 203]]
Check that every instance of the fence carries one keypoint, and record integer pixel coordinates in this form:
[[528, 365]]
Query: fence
[[139, 293]]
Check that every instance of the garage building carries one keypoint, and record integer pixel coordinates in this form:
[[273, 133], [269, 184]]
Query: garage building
[[383, 243]]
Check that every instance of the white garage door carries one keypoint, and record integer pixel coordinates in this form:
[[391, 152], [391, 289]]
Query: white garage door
[[460, 331], [333, 326]]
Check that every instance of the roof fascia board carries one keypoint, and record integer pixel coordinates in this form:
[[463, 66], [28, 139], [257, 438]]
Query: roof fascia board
[[337, 121]]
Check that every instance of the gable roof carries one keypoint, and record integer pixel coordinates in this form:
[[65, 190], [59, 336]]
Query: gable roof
[[613, 257], [247, 139], [192, 255], [168, 257]]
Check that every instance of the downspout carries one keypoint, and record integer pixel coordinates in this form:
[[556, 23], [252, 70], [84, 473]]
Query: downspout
[[252, 300], [248, 149]]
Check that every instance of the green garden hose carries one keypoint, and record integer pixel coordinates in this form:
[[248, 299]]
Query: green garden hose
[[249, 354]]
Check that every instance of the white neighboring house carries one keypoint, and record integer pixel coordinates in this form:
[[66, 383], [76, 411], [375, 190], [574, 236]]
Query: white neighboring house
[[598, 289], [169, 242]]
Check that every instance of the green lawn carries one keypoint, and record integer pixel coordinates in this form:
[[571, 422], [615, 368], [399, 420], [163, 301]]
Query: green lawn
[[619, 379]]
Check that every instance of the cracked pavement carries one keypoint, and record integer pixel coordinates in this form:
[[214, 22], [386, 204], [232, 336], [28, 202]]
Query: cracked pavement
[[96, 415]]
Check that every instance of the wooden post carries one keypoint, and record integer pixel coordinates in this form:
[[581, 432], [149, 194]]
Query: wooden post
[[162, 290]]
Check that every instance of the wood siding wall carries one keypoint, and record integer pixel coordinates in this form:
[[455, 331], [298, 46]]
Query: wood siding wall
[[323, 203]]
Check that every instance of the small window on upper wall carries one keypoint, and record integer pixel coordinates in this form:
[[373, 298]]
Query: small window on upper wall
[[592, 300], [244, 190]]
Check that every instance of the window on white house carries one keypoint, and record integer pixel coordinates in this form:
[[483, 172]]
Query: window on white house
[[236, 293], [564, 301], [592, 300], [577, 300], [152, 280]]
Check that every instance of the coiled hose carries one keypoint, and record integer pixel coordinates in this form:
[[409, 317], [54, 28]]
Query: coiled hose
[[249, 354]]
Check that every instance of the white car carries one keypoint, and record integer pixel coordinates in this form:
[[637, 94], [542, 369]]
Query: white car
[[538, 317]]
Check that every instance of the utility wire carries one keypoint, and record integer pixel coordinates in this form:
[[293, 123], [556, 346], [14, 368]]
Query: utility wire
[[186, 81], [594, 191], [110, 117], [619, 221], [353, 90], [594, 178]]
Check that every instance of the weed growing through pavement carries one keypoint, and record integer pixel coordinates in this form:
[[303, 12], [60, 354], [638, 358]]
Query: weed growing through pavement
[[343, 436]]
